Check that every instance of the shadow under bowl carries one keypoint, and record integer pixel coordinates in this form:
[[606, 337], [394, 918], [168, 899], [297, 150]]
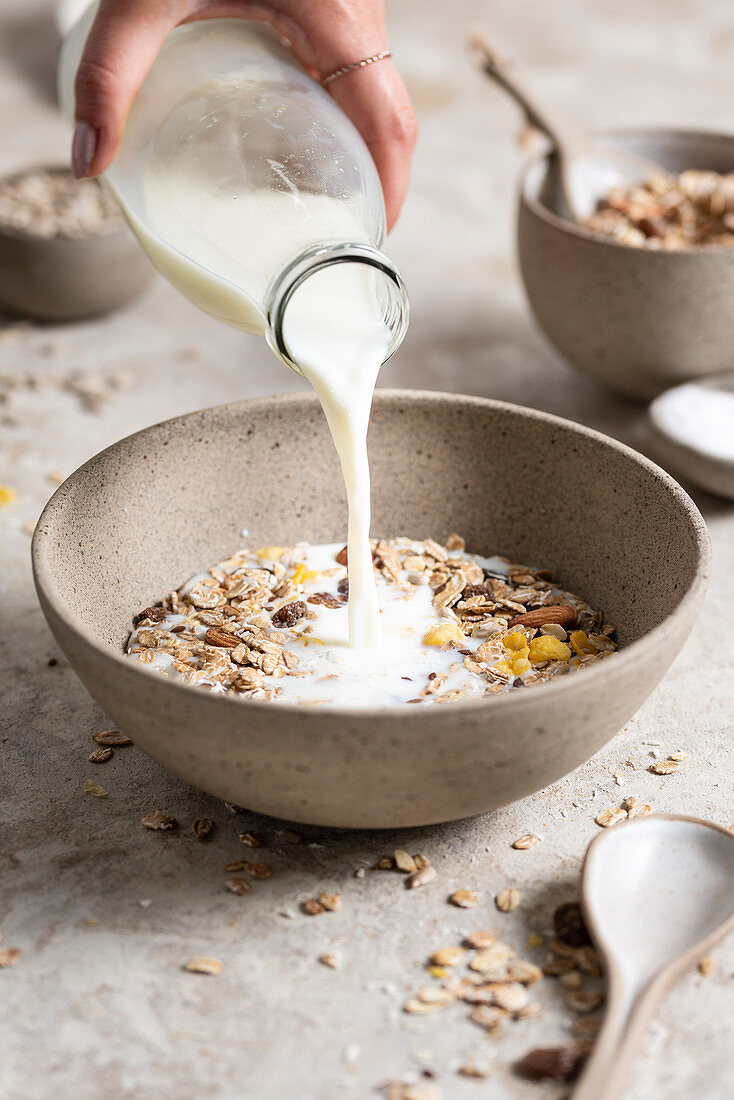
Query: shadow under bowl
[[137, 520], [637, 319]]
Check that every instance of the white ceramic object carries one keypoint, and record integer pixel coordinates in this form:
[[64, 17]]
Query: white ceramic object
[[693, 427], [657, 893], [586, 171]]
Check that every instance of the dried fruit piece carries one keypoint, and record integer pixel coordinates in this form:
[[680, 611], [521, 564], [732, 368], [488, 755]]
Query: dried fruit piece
[[464, 899], [569, 925], [290, 614], [100, 756], [443, 634], [112, 737], [204, 964], [508, 900], [547, 648], [343, 556], [202, 828], [159, 821], [529, 840], [562, 1064], [270, 553], [581, 644], [324, 598], [7, 495], [705, 965]]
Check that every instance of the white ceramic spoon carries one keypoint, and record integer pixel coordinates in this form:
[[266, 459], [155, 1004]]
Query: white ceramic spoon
[[657, 893], [586, 171]]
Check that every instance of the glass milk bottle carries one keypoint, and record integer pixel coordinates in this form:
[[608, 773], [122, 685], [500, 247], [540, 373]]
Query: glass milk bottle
[[242, 178]]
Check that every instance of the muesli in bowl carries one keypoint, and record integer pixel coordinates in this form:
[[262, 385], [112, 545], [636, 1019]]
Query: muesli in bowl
[[272, 625]]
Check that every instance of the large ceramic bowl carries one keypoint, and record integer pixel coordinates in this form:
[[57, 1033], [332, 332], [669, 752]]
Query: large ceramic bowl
[[638, 320], [141, 517]]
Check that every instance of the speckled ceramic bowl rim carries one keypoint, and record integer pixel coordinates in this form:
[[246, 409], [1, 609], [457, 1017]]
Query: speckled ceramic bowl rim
[[575, 230], [723, 465], [31, 238], [632, 653]]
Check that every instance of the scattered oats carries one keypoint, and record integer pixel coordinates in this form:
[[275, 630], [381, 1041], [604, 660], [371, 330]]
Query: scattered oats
[[421, 861], [9, 957], [664, 767], [639, 809], [257, 870], [480, 940], [312, 907], [234, 809], [571, 979], [100, 756], [421, 878], [511, 997], [251, 839], [610, 817], [402, 1090], [331, 960], [290, 835], [111, 737], [520, 970], [473, 1069], [330, 902], [678, 756], [487, 1016], [417, 1007], [530, 1011], [387, 863], [159, 821], [289, 914], [202, 828], [204, 964], [239, 886], [706, 965], [464, 899], [92, 788], [582, 1000], [492, 958], [235, 865], [448, 956], [403, 861], [433, 995], [529, 840], [508, 900]]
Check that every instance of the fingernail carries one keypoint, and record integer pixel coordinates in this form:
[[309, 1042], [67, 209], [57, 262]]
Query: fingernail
[[83, 148]]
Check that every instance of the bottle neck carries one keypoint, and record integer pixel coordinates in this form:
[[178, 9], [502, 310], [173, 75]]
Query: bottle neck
[[392, 293]]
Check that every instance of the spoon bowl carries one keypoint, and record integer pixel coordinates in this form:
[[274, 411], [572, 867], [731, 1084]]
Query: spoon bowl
[[658, 893]]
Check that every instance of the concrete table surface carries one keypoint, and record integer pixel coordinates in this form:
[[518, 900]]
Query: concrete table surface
[[105, 913]]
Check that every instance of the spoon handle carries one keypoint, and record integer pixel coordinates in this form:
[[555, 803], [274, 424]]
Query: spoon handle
[[506, 73], [628, 1011]]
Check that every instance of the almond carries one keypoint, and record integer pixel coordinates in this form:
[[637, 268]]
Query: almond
[[565, 616], [216, 636]]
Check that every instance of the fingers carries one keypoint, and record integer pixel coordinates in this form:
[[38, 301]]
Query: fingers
[[121, 47], [377, 102]]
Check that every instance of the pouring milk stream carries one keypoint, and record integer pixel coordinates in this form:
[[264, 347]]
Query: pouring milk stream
[[256, 197]]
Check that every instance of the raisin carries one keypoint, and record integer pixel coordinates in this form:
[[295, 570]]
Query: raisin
[[343, 588], [553, 1063], [569, 925], [290, 614], [324, 598], [475, 590], [152, 614], [341, 557]]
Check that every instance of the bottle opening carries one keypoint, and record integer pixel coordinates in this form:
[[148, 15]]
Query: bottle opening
[[390, 292]]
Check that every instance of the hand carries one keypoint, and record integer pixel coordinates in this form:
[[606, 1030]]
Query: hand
[[323, 34]]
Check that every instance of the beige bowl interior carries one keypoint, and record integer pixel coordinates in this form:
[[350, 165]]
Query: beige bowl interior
[[138, 519]]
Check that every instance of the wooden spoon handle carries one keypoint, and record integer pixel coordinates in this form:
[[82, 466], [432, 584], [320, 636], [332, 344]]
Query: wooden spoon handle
[[506, 73]]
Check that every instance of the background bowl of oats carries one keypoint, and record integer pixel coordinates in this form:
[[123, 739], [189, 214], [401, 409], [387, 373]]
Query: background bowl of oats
[[153, 509], [639, 317]]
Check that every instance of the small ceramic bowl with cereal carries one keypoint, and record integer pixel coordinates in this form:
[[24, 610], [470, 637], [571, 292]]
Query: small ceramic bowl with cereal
[[510, 652], [65, 251], [640, 298]]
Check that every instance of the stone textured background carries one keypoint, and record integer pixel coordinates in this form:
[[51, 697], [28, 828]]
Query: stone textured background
[[98, 1006]]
